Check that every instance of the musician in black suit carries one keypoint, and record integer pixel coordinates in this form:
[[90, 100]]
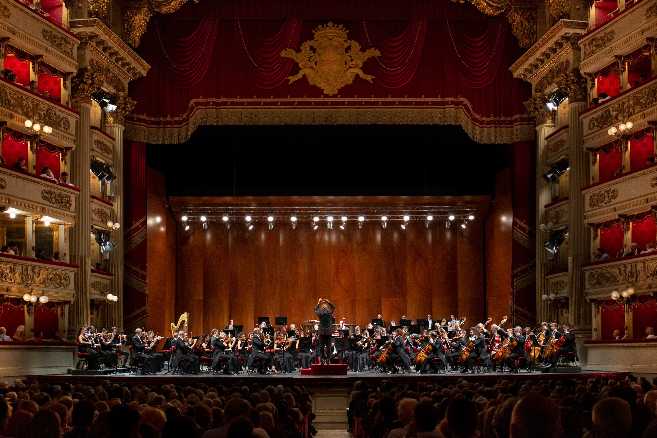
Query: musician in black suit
[[518, 350], [142, 358], [399, 351], [324, 310], [258, 354], [184, 358]]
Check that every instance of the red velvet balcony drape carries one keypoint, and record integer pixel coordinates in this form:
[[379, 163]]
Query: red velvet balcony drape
[[13, 148], [20, 67], [603, 10], [11, 316], [611, 239], [51, 86], [644, 231], [608, 83], [55, 10], [642, 151], [231, 50], [610, 162], [645, 315], [612, 317], [46, 321], [48, 157]]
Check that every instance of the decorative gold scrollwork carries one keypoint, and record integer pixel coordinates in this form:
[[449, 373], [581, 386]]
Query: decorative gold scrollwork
[[56, 198]]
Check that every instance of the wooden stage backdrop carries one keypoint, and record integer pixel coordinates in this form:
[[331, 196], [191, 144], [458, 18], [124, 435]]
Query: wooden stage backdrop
[[243, 274]]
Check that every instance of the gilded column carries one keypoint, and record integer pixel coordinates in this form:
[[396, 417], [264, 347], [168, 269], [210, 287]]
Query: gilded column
[[81, 232], [578, 233]]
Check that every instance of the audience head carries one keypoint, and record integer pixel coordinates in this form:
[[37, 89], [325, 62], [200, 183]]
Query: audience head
[[426, 416], [461, 418], [406, 410], [612, 417], [534, 416]]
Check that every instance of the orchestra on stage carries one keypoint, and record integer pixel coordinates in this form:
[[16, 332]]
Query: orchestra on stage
[[404, 346]]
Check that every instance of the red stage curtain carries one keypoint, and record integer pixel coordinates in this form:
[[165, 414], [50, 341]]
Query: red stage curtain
[[229, 51], [642, 152], [610, 163], [50, 85], [188, 56], [13, 149], [611, 239], [645, 315], [55, 10], [638, 70], [46, 321], [612, 317], [50, 158], [603, 10], [21, 68], [644, 231], [272, 69], [11, 317], [608, 83], [400, 54]]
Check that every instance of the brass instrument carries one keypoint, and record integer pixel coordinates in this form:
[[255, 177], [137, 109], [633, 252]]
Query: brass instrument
[[183, 323]]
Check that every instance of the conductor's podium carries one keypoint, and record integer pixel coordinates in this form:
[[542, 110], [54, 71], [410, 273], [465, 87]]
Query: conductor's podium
[[333, 369]]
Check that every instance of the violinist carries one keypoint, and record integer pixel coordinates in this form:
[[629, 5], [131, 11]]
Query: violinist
[[283, 356], [258, 356], [119, 342], [399, 352], [108, 355], [86, 345], [220, 360], [517, 348]]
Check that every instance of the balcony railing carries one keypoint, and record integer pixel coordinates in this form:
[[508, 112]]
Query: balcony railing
[[638, 105], [101, 212], [556, 145], [632, 193], [102, 145], [33, 33], [18, 104], [557, 285], [20, 275], [557, 213], [31, 193], [625, 34], [601, 278], [101, 285]]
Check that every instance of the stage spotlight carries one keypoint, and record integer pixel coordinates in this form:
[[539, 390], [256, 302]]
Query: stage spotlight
[[329, 222], [342, 226], [464, 226], [205, 225], [247, 218], [315, 219], [315, 227], [403, 226], [361, 220], [158, 219], [186, 227], [344, 218], [203, 218], [384, 221], [293, 220], [249, 227], [406, 218], [184, 218], [270, 222], [451, 217], [471, 217], [429, 218], [329, 218], [225, 218]]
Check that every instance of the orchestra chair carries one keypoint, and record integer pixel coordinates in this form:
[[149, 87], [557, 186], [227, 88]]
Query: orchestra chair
[[81, 362]]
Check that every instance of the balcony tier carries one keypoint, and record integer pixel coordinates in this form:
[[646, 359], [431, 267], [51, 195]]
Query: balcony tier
[[101, 285], [101, 212], [18, 104], [600, 279], [37, 195], [632, 193], [557, 285], [34, 34], [20, 275], [623, 35], [102, 145], [638, 105]]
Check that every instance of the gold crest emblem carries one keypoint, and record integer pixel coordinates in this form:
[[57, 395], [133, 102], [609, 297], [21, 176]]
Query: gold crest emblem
[[330, 61]]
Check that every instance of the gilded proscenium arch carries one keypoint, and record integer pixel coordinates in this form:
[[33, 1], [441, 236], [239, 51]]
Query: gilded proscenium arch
[[333, 111]]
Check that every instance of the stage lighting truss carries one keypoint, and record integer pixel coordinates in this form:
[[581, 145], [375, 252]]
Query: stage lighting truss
[[331, 219]]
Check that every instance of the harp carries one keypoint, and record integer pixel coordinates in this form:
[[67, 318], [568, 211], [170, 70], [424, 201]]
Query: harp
[[183, 323]]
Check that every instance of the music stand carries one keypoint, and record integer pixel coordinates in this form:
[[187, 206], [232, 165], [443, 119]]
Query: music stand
[[414, 329], [238, 328], [405, 322], [281, 320], [423, 323], [229, 332], [262, 319], [378, 322]]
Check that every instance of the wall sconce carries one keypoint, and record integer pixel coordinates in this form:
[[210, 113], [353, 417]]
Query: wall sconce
[[33, 299], [37, 127], [113, 225], [112, 298], [621, 129]]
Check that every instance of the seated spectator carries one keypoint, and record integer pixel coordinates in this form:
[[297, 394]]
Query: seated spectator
[[405, 414], [612, 418], [3, 335], [7, 250], [632, 250], [63, 179], [19, 334], [426, 420], [650, 333], [601, 255], [47, 173], [650, 248], [458, 421], [20, 165], [535, 416]]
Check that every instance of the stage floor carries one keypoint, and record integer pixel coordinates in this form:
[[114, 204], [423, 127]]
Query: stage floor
[[311, 381]]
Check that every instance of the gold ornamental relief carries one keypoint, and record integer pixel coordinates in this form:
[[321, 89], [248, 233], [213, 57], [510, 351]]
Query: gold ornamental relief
[[330, 61]]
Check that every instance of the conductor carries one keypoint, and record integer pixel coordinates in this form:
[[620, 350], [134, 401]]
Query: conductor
[[324, 311]]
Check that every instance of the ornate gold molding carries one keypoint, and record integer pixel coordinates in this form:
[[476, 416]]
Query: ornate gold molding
[[58, 41], [101, 287], [34, 276], [597, 42], [550, 78], [537, 108], [625, 107], [124, 106], [4, 11], [139, 12], [651, 11], [603, 197], [32, 107], [559, 8], [57, 198], [640, 273], [100, 9], [522, 19], [330, 61], [87, 81], [574, 84]]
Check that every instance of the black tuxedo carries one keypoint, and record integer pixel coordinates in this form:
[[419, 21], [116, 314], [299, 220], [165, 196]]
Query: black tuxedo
[[184, 358]]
